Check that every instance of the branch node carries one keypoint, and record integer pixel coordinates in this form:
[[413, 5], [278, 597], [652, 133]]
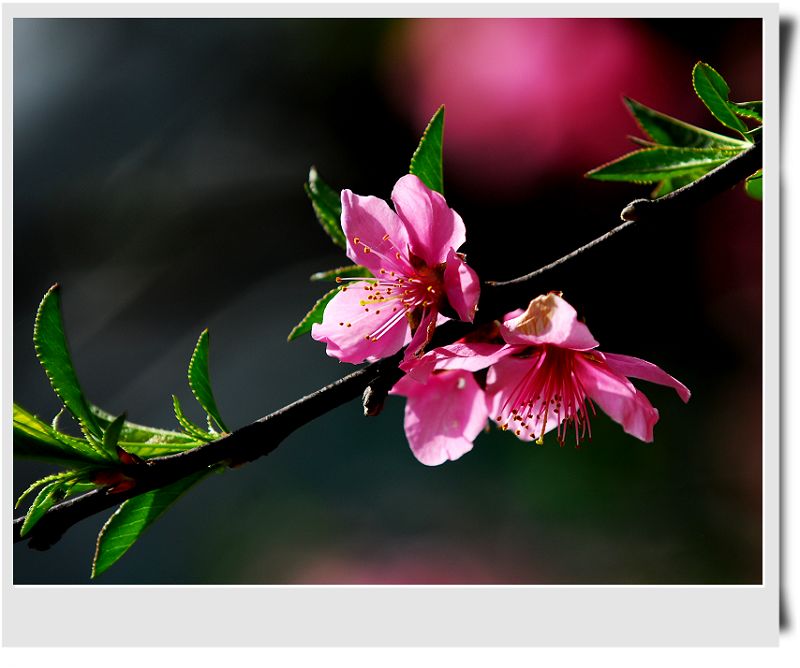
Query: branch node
[[373, 399], [633, 211]]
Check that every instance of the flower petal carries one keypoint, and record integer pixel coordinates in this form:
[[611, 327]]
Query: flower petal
[[347, 323], [633, 367], [617, 397], [443, 416], [433, 227], [467, 356], [461, 285], [548, 319], [374, 233], [504, 383]]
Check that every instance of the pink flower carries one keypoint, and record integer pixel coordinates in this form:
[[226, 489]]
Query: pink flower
[[443, 416], [551, 376], [412, 254], [446, 407]]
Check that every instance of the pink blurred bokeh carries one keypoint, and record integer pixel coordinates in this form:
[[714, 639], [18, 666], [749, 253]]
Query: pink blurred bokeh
[[529, 96]]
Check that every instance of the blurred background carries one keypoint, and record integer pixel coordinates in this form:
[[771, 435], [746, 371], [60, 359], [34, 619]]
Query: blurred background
[[158, 173]]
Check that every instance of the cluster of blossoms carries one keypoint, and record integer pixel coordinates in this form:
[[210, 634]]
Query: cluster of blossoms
[[537, 371]]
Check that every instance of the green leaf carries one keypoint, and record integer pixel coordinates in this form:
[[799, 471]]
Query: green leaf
[[36, 439], [111, 435], [133, 433], [78, 487], [426, 163], [712, 89], [350, 271], [651, 165], [44, 500], [313, 316], [671, 184], [753, 185], [669, 131], [148, 441], [327, 205], [748, 109], [51, 349], [60, 476], [199, 380], [755, 133], [190, 428], [130, 520]]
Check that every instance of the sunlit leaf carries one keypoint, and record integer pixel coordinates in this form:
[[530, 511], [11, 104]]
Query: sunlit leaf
[[130, 520], [35, 439], [752, 110], [44, 500], [712, 89], [668, 131], [189, 427], [200, 383], [754, 185], [111, 435], [145, 441], [136, 433], [350, 271], [426, 163], [652, 165], [671, 184], [50, 342], [60, 477], [313, 316], [327, 205]]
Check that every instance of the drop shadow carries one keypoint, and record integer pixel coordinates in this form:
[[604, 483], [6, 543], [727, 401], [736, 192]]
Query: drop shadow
[[786, 32]]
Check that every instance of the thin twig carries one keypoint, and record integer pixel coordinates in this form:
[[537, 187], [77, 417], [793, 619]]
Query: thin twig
[[714, 182], [264, 435]]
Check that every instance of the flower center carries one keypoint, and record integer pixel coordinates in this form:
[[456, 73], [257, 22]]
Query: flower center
[[405, 287], [548, 395]]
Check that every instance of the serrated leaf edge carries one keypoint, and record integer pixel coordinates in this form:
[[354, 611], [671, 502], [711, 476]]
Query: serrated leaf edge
[[212, 411]]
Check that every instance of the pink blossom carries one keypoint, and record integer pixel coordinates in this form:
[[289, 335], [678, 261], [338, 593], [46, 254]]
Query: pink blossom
[[551, 376], [417, 271], [443, 415], [446, 408]]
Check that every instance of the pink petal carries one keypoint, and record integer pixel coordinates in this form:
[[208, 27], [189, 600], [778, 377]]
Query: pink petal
[[433, 227], [443, 416], [369, 223], [548, 319], [634, 367], [618, 398], [459, 355], [349, 344], [503, 383], [462, 287]]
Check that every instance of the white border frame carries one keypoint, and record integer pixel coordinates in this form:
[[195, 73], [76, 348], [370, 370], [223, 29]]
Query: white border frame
[[525, 615]]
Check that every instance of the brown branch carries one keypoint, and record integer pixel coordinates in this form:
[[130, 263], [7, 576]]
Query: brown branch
[[244, 445], [375, 380]]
